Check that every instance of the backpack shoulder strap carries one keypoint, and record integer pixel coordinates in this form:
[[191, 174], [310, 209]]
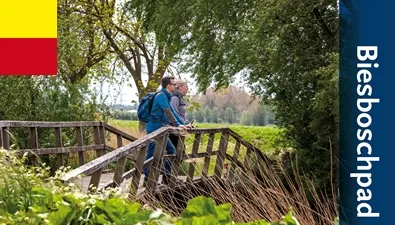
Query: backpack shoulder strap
[[152, 102]]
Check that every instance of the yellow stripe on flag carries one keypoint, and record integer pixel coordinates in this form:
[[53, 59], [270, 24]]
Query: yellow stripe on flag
[[28, 18]]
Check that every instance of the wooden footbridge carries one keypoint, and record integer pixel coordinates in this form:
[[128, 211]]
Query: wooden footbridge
[[102, 165]]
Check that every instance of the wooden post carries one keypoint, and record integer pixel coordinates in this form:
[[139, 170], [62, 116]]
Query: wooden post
[[176, 164], [235, 157], [98, 135], [119, 170], [80, 142], [33, 145], [120, 167], [6, 137], [223, 145], [119, 141], [195, 150], [209, 150], [156, 165], [102, 132], [247, 158], [100, 139], [59, 144], [138, 169]]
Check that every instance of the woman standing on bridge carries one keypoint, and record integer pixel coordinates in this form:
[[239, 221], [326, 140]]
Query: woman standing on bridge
[[178, 104]]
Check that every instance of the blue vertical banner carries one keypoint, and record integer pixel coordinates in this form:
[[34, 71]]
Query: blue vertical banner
[[367, 112]]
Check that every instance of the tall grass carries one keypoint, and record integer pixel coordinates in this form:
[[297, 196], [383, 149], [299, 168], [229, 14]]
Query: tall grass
[[266, 192]]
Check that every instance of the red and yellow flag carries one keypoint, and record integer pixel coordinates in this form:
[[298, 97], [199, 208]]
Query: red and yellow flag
[[28, 37]]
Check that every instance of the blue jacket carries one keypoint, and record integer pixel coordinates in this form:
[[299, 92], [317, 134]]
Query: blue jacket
[[158, 117]]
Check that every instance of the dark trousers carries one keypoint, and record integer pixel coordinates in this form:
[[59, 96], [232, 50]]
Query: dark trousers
[[174, 140], [167, 165]]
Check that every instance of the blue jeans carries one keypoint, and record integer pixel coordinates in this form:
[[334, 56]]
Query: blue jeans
[[170, 149]]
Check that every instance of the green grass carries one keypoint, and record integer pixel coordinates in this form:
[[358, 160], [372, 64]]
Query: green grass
[[124, 123], [264, 138]]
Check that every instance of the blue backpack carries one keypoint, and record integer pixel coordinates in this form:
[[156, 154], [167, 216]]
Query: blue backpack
[[145, 107]]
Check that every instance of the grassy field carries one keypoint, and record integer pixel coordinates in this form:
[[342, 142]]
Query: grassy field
[[262, 137]]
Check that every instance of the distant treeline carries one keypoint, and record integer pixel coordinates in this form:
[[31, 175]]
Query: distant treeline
[[232, 105]]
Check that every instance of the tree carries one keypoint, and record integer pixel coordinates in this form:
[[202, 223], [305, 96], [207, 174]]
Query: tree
[[207, 114], [199, 116], [80, 43], [292, 64], [246, 119], [190, 115], [214, 115], [115, 30], [229, 115], [259, 116]]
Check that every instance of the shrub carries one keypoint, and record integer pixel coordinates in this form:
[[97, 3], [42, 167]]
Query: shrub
[[29, 196]]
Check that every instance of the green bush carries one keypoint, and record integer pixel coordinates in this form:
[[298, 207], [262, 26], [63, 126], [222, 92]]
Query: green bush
[[30, 196]]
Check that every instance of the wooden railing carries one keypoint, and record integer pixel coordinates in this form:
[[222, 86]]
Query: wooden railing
[[139, 148], [97, 130], [231, 148]]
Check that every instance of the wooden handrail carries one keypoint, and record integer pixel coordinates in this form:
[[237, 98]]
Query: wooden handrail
[[117, 131], [106, 159], [138, 148], [10, 123]]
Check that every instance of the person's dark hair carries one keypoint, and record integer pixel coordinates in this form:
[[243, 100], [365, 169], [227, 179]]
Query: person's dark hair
[[166, 81]]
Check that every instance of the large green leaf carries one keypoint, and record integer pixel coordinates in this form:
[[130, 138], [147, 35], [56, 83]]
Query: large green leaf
[[64, 215]]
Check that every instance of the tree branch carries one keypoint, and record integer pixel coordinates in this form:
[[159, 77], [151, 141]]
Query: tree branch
[[322, 23]]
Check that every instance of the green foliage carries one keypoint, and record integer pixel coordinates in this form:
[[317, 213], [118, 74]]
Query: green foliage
[[26, 199], [80, 46], [247, 119], [202, 210], [270, 137], [292, 65], [214, 115], [124, 115], [229, 115]]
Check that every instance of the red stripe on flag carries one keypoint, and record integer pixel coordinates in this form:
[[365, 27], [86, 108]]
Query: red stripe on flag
[[28, 56]]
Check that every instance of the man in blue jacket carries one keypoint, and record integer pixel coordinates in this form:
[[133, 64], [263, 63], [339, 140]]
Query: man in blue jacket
[[162, 114]]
